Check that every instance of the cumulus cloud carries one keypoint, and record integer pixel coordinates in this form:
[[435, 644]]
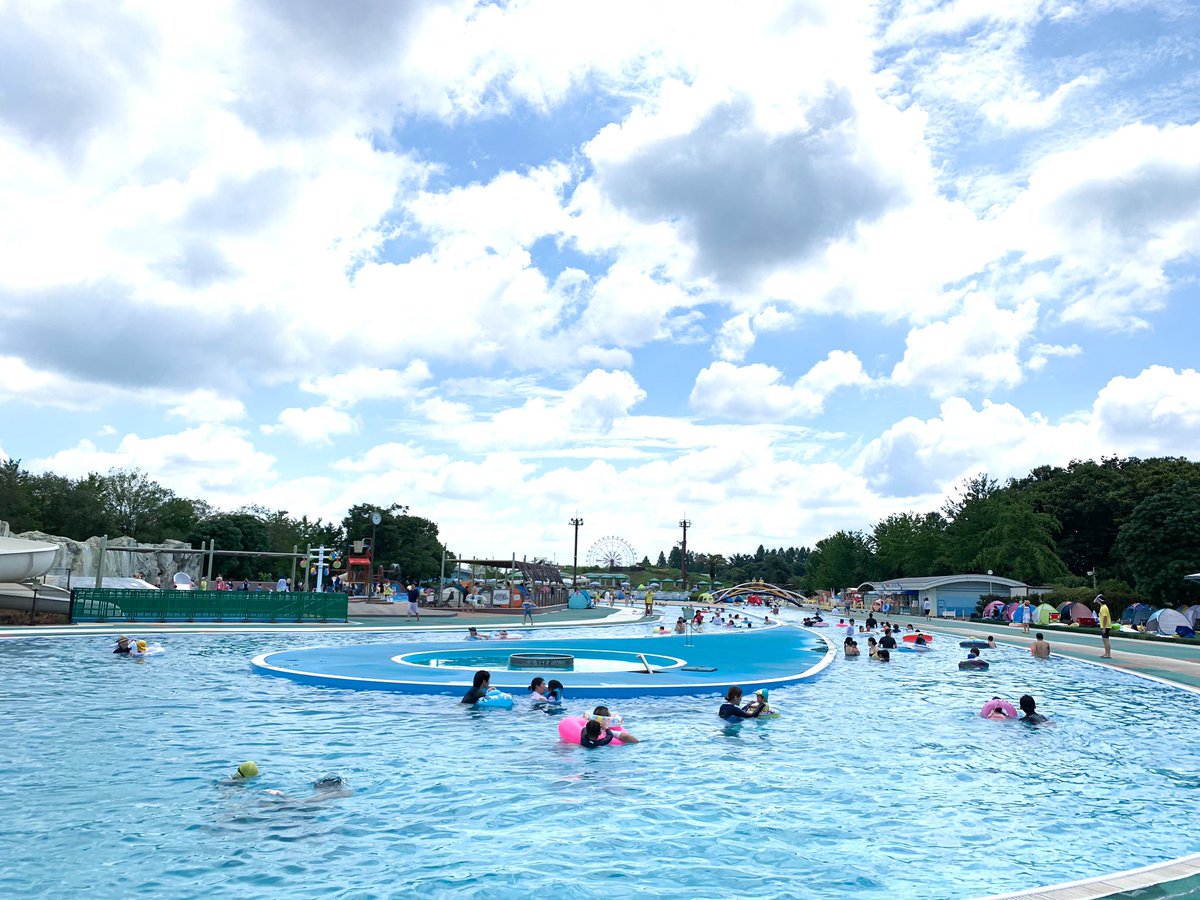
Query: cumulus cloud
[[978, 349], [314, 425], [757, 393], [361, 384], [208, 406], [1155, 412]]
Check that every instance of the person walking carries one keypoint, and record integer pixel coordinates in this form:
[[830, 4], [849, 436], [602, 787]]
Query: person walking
[[928, 608], [1026, 615], [1105, 618], [414, 598], [527, 608]]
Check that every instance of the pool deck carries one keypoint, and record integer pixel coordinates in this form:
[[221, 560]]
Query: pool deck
[[768, 657]]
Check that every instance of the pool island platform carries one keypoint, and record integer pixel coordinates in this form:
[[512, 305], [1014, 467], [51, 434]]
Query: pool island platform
[[767, 657]]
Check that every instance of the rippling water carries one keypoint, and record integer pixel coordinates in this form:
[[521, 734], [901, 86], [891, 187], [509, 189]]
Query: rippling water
[[878, 781]]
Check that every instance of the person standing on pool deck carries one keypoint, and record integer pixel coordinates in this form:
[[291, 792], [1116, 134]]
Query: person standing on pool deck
[[1105, 618], [483, 681], [1041, 647], [527, 609], [649, 602], [928, 607]]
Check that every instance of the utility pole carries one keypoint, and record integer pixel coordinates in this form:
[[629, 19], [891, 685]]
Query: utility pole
[[684, 524], [577, 521]]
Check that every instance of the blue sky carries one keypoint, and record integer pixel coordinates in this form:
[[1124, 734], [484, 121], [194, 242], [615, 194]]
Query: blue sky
[[780, 268]]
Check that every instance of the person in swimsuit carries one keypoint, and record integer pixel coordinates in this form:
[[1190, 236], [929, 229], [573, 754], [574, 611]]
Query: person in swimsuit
[[591, 736], [1029, 707], [606, 719], [887, 642], [483, 681], [1041, 647], [123, 646], [537, 690], [731, 708], [554, 692]]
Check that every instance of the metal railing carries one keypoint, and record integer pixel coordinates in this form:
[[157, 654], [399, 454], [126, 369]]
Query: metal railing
[[108, 604]]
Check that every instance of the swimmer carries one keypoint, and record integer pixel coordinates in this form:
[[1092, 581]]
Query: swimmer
[[474, 635], [123, 646], [1029, 707], [998, 712], [920, 641], [502, 635], [851, 649], [760, 702], [331, 787], [991, 642], [246, 771], [883, 656], [606, 719], [140, 651], [591, 735], [537, 690], [1041, 647], [480, 687], [731, 709], [887, 642], [973, 653], [680, 625], [872, 647], [554, 692]]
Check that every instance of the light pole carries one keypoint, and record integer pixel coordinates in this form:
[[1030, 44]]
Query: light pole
[[683, 523], [376, 518], [577, 521], [1092, 572], [989, 583]]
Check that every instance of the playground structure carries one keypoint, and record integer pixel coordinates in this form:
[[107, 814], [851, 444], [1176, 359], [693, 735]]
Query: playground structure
[[748, 591]]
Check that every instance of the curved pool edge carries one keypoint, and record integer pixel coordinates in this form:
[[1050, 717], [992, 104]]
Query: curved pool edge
[[1114, 885]]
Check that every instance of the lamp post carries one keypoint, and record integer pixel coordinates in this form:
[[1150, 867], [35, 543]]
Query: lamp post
[[577, 521], [989, 582], [376, 518], [683, 523], [1092, 572]]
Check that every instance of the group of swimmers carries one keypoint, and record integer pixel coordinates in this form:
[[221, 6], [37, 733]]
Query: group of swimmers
[[501, 635], [999, 709], [329, 787], [125, 647], [733, 708]]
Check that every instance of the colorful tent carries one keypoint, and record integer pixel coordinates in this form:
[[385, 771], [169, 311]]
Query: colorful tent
[[1192, 614], [989, 611], [1010, 611], [1043, 614], [1075, 613], [1137, 614], [1165, 621]]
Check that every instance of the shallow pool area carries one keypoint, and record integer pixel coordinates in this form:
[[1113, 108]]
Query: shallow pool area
[[877, 781]]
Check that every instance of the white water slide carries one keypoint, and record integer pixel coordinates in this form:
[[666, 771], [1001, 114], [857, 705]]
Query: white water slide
[[20, 559]]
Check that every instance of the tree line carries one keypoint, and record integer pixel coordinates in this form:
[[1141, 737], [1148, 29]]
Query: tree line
[[1129, 527], [128, 502]]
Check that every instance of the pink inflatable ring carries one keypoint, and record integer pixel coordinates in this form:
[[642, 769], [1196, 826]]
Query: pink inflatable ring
[[571, 727], [1010, 711]]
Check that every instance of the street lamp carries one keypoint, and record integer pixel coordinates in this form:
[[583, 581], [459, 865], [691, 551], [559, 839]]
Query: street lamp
[[1092, 572], [989, 582], [376, 518]]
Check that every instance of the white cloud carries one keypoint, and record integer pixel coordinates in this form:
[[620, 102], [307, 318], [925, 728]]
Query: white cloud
[[208, 406], [314, 425], [1157, 412], [977, 349], [361, 384], [756, 392], [1040, 354]]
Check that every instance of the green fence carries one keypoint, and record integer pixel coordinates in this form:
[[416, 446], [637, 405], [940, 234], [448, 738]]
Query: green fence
[[103, 605]]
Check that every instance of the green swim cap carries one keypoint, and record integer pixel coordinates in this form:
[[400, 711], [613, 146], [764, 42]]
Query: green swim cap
[[764, 693], [247, 769]]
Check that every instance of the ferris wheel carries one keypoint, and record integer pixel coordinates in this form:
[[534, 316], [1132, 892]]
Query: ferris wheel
[[611, 553]]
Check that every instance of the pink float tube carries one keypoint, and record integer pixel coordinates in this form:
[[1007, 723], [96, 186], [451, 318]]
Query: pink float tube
[[570, 728], [991, 706]]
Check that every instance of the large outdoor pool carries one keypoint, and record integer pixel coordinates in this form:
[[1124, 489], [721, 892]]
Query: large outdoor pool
[[878, 781]]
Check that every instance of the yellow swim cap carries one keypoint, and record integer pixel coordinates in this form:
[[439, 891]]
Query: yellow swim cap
[[247, 769], [141, 645]]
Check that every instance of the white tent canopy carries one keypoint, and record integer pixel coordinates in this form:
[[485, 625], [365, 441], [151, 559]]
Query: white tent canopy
[[1165, 621]]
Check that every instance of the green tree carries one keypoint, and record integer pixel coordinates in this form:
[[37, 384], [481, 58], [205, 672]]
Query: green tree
[[238, 531], [15, 502], [907, 545], [1019, 543], [408, 543], [133, 501], [662, 560], [1160, 543], [838, 561]]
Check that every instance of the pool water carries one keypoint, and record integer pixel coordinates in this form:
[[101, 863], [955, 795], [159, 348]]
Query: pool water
[[878, 781], [499, 660]]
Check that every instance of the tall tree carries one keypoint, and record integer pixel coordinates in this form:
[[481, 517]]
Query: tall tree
[[133, 501], [839, 561], [1160, 543], [1019, 543]]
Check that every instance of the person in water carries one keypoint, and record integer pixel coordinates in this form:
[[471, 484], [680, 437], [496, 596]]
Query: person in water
[[328, 788], [872, 647], [244, 772], [474, 635], [537, 690], [554, 692], [595, 735], [760, 702], [1041, 647], [731, 708], [1029, 707], [851, 648], [139, 651], [123, 646], [998, 712], [887, 642], [973, 653], [483, 682], [991, 642], [884, 655], [680, 625], [606, 719]]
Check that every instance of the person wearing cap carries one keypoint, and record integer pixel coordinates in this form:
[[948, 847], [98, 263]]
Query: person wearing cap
[[123, 646], [731, 708], [1105, 619], [760, 703], [139, 651], [244, 772]]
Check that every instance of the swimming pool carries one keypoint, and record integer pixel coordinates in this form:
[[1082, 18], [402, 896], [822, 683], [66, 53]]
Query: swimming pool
[[878, 781]]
